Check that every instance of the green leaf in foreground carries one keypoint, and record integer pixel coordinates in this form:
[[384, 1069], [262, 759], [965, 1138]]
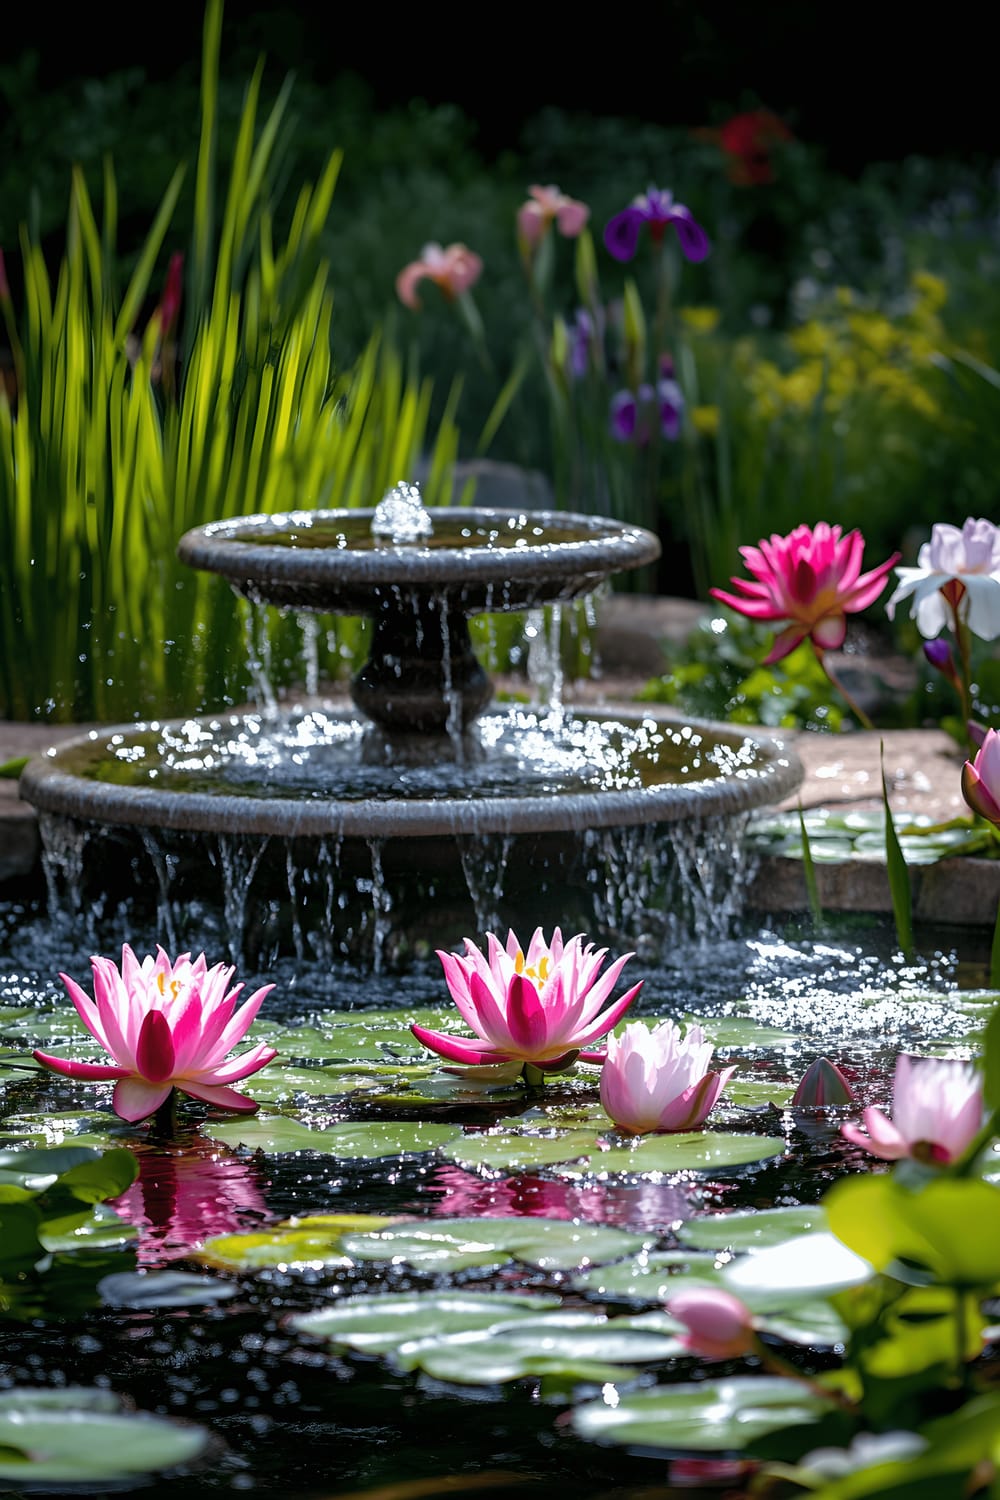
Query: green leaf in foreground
[[77, 1435], [721, 1416]]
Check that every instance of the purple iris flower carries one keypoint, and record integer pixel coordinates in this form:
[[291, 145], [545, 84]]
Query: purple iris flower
[[632, 413], [585, 335], [657, 208]]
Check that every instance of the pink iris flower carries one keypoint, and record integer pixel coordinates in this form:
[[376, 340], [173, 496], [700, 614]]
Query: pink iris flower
[[719, 1325], [454, 270], [167, 1025], [812, 578], [655, 1080], [657, 208], [981, 779], [545, 205], [539, 1006], [937, 1111]]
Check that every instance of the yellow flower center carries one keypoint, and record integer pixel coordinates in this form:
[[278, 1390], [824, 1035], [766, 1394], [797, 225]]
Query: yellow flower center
[[539, 972], [162, 986]]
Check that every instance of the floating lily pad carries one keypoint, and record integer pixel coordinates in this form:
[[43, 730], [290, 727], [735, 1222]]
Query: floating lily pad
[[379, 1324], [77, 1435], [650, 1278], [574, 1346], [741, 1033], [577, 1153], [751, 1230], [373, 1035], [454, 1244], [369, 1140], [813, 1264], [142, 1289], [315, 1240], [695, 1151], [709, 1417]]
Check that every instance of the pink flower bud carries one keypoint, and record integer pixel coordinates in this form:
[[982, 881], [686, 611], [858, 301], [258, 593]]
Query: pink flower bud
[[981, 779], [821, 1085], [719, 1325]]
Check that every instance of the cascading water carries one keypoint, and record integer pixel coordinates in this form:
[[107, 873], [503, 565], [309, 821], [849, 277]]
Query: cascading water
[[333, 833]]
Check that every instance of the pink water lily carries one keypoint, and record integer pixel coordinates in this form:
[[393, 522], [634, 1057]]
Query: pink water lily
[[166, 1025], [937, 1111], [981, 779], [811, 578], [719, 1325], [454, 269], [538, 1005], [657, 1080]]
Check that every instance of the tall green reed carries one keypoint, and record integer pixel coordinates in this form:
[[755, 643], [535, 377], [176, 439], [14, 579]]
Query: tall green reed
[[116, 440]]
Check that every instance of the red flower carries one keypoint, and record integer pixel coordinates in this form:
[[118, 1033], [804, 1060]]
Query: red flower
[[747, 140]]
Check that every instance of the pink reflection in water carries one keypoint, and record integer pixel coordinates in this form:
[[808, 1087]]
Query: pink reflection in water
[[183, 1196], [646, 1205]]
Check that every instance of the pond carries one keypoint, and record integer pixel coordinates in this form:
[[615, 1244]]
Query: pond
[[522, 1248]]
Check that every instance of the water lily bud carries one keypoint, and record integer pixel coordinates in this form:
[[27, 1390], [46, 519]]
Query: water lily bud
[[719, 1325], [981, 779], [821, 1085]]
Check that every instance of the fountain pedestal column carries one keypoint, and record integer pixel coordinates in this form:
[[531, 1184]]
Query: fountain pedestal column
[[422, 676]]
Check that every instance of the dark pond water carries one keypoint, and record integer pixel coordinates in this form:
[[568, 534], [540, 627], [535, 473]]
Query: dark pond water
[[289, 1417]]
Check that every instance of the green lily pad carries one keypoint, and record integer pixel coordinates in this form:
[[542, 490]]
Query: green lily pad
[[77, 1435], [371, 1139], [380, 1324], [575, 1346], [372, 1036], [455, 1244], [315, 1240], [741, 1033], [141, 1289], [751, 1230], [755, 1093], [709, 1417], [815, 1264], [578, 1153], [98, 1227], [511, 1150], [694, 1151], [652, 1277]]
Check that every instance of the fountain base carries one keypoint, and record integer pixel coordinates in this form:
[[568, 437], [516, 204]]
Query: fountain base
[[628, 828]]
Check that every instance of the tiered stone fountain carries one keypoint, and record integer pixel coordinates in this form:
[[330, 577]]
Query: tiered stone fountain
[[371, 834]]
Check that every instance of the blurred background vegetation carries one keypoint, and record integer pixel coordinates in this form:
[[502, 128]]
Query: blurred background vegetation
[[837, 352]]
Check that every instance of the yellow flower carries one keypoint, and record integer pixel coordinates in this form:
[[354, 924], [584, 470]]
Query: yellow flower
[[932, 290], [705, 420], [814, 339], [700, 319]]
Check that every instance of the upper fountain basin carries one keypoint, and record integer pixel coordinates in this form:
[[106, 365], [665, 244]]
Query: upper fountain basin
[[479, 560]]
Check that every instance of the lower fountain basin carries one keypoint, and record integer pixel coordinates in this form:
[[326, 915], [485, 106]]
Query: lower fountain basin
[[629, 828], [302, 774]]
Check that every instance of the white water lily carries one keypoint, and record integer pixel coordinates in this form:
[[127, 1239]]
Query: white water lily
[[957, 570]]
